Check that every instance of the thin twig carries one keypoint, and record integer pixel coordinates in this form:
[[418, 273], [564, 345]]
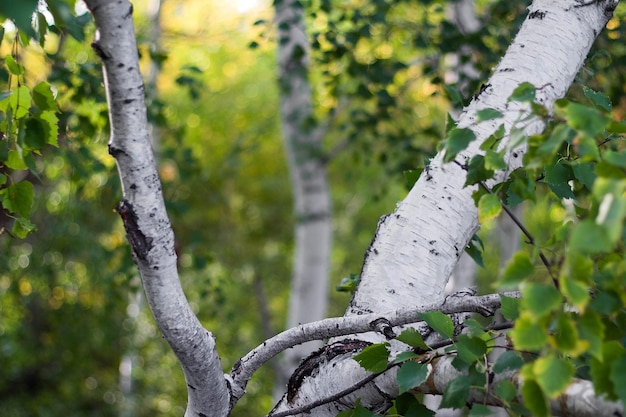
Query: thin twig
[[526, 232]]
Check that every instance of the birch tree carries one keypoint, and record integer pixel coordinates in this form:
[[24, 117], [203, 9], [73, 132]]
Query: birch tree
[[415, 248], [302, 139]]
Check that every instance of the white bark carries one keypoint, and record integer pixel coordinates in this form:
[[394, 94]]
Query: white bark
[[311, 193], [143, 211], [421, 241]]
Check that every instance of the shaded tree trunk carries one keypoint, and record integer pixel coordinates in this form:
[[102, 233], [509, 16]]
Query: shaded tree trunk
[[302, 138]]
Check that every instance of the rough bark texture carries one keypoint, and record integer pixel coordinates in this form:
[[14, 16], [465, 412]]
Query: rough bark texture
[[143, 211], [421, 241], [303, 144]]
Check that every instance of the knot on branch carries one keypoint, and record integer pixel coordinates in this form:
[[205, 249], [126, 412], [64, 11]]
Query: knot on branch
[[382, 325]]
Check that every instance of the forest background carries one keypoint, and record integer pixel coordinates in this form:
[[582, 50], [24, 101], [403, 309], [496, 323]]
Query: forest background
[[76, 338]]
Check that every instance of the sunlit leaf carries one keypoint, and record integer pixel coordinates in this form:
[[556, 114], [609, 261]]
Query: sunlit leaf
[[489, 207], [553, 374], [517, 269]]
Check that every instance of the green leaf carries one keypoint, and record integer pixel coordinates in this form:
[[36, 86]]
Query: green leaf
[[454, 95], [566, 336], [457, 140], [489, 207], [589, 238], [456, 393], [476, 171], [50, 123], [475, 250], [506, 390], [405, 356], [617, 158], [412, 338], [411, 375], [34, 134], [15, 160], [18, 198], [348, 284], [470, 349], [558, 177], [534, 399], [22, 227], [440, 323], [494, 160], [601, 368], [528, 333], [374, 358], [411, 176], [518, 268], [13, 66], [586, 120], [591, 329], [409, 406], [585, 173], [509, 307], [575, 279], [43, 97], [541, 299], [20, 102], [618, 377], [479, 410], [509, 360], [553, 374], [524, 92], [598, 99], [488, 114]]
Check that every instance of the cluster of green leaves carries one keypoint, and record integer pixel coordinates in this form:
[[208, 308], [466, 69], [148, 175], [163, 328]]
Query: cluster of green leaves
[[28, 123], [572, 311], [470, 351]]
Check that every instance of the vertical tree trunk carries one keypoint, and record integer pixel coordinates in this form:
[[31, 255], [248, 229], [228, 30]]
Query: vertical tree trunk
[[303, 144]]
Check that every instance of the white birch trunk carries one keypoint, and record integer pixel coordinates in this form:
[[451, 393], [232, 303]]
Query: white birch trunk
[[311, 193], [416, 247], [143, 211]]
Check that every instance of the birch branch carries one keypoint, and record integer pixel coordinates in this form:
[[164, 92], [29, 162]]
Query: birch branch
[[243, 370], [143, 212]]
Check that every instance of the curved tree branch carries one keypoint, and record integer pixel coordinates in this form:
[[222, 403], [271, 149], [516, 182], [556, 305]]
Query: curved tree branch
[[143, 211], [344, 326]]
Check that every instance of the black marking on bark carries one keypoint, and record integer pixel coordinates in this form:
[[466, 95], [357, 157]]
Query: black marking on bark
[[507, 70], [202, 415], [114, 151], [129, 100], [382, 325], [482, 89], [428, 176], [311, 364], [140, 243], [432, 242], [129, 13], [120, 65], [191, 387], [537, 14], [104, 55]]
